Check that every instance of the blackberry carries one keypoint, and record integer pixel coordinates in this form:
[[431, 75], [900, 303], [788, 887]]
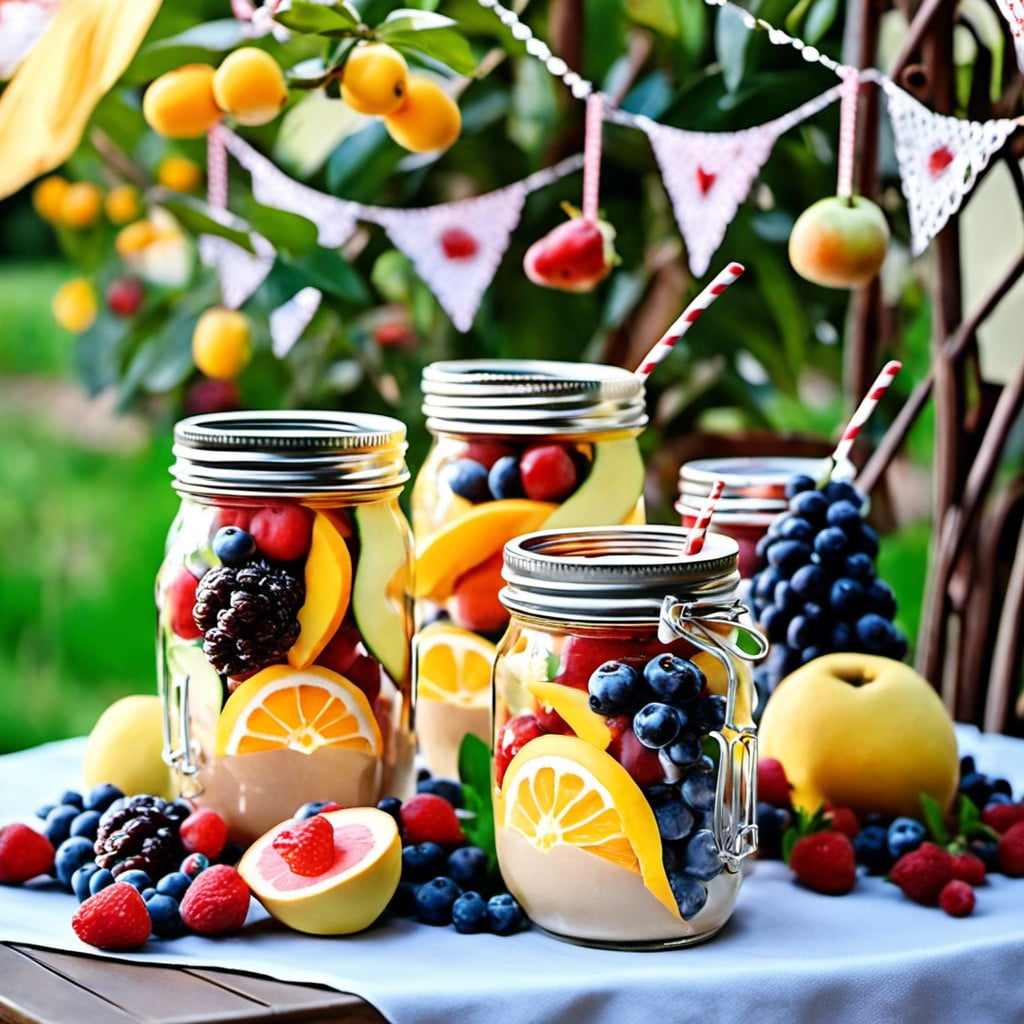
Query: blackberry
[[139, 833], [247, 615]]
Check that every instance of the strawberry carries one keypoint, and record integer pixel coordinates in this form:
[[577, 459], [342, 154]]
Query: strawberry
[[772, 785], [282, 532], [427, 818], [1010, 857], [216, 901], [1002, 817], [24, 853], [181, 598], [825, 862], [514, 735], [308, 847], [843, 819], [574, 256], [968, 868], [957, 898], [204, 831], [923, 873], [115, 918]]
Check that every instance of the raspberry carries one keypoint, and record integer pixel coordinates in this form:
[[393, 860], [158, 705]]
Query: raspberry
[[204, 831], [969, 869], [1010, 857], [307, 848], [181, 598], [24, 853], [115, 918], [957, 898], [923, 873], [216, 901], [427, 818], [282, 532], [825, 862], [1003, 817], [843, 819], [772, 785]]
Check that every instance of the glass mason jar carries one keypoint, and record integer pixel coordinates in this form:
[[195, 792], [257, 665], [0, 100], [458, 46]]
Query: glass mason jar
[[625, 750], [518, 445], [754, 494], [284, 615]]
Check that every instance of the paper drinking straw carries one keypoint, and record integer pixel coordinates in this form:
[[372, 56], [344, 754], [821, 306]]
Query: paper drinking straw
[[687, 318], [695, 538], [592, 156], [864, 411]]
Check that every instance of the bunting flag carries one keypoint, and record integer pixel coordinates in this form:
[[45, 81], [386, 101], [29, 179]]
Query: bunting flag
[[240, 272], [1013, 12], [289, 320], [939, 159]]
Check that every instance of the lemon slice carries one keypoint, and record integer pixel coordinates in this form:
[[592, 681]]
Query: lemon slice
[[298, 709], [563, 790], [454, 666]]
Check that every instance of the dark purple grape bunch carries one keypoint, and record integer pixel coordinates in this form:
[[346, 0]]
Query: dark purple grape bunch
[[818, 592]]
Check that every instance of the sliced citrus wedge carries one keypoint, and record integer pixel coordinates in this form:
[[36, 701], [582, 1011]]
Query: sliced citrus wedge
[[454, 666], [563, 790], [574, 707], [298, 709]]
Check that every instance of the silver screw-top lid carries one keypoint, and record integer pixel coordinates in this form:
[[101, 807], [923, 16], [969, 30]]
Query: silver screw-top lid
[[616, 574], [531, 397], [289, 452], [760, 480]]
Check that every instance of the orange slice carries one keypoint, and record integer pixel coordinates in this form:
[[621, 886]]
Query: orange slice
[[563, 790], [301, 710], [454, 666]]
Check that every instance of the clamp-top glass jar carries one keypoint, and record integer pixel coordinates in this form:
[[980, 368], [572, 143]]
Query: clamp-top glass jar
[[625, 751], [284, 614], [518, 445]]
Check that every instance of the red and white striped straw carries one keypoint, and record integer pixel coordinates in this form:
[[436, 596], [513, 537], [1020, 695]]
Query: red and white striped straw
[[864, 411], [695, 538], [687, 319]]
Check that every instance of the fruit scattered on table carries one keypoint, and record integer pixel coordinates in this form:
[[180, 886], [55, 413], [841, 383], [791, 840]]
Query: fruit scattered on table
[[114, 919], [216, 902], [923, 873], [24, 854], [825, 862], [427, 817], [957, 898], [1010, 856], [203, 831]]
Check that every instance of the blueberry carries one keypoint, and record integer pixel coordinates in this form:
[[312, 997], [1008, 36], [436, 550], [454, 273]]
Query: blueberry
[[809, 505], [615, 688], [70, 856], [871, 845], [860, 567], [421, 861], [674, 680], [868, 540], [987, 850], [468, 479], [904, 835], [881, 599], [165, 916], [775, 621], [804, 631], [100, 880], [403, 903], [674, 819], [976, 787], [43, 810], [812, 653], [504, 481], [434, 900], [772, 822], [780, 662], [101, 796], [843, 490], [193, 864], [685, 750], [796, 528], [233, 545], [698, 791], [85, 824], [842, 636], [997, 799], [467, 867], [230, 854], [764, 583], [73, 798], [761, 548], [798, 484], [966, 765], [57, 826], [846, 598], [702, 860], [788, 555], [469, 912], [81, 878], [174, 885], [874, 633], [785, 597], [139, 879], [393, 806], [446, 789], [179, 810], [831, 544], [690, 895], [897, 649], [710, 713], [308, 810], [810, 583], [1002, 786], [505, 914], [147, 894], [845, 515], [656, 725]]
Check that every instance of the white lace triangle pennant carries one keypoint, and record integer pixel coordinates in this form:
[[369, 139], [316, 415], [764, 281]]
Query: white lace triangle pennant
[[940, 158], [240, 272], [290, 319], [1013, 12], [456, 247]]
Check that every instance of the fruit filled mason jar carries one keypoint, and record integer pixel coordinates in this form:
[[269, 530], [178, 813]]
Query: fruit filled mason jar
[[284, 614], [519, 445], [625, 750]]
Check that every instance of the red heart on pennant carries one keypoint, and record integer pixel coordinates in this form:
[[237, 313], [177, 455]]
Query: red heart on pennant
[[939, 160], [458, 244], [308, 848], [705, 180]]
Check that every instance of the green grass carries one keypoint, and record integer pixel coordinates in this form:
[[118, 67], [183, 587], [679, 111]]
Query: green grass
[[30, 341]]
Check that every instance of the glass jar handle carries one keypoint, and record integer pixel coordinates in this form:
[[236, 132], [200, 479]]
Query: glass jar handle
[[182, 755]]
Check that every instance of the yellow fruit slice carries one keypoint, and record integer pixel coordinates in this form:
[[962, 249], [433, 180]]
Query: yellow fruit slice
[[574, 707], [563, 790], [472, 538], [302, 710], [328, 589], [718, 683], [454, 666]]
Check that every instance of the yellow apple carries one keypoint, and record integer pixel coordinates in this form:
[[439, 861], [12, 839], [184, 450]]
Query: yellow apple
[[839, 243], [863, 732]]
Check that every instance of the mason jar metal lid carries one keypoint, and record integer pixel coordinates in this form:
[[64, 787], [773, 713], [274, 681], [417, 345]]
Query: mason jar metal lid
[[531, 397], [618, 574], [753, 477], [289, 452]]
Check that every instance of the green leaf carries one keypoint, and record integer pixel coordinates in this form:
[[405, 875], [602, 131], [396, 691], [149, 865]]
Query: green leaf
[[216, 36], [329, 271], [407, 19], [475, 776], [970, 824], [194, 215], [337, 19], [934, 819], [446, 45], [819, 19], [789, 838], [656, 14], [731, 40], [286, 230]]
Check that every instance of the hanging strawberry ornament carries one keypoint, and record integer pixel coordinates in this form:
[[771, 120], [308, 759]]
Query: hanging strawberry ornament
[[577, 255]]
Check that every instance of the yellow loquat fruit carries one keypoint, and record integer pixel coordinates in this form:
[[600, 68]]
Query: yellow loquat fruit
[[179, 174], [74, 305], [374, 79], [221, 343], [48, 195], [122, 204], [428, 120], [81, 205], [180, 103], [249, 85]]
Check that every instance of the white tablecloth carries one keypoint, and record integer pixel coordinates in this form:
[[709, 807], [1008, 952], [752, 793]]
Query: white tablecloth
[[788, 955]]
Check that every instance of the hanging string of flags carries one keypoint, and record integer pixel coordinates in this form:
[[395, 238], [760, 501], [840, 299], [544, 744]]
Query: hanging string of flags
[[456, 247]]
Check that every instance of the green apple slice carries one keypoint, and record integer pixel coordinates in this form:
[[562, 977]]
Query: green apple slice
[[611, 490]]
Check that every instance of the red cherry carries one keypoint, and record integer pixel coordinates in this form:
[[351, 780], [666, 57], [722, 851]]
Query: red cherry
[[486, 453], [581, 655], [181, 597], [513, 736], [235, 515], [641, 762], [391, 334], [548, 472], [705, 181], [212, 396], [551, 721], [364, 672], [125, 295], [459, 244], [282, 532]]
